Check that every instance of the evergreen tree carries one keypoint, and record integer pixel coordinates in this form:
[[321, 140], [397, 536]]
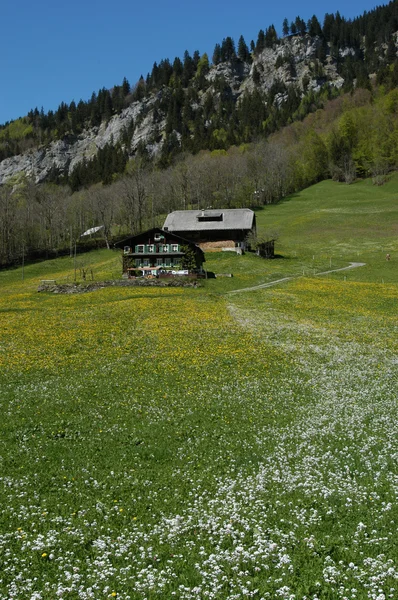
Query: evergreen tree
[[271, 37], [217, 54], [260, 42], [228, 49], [188, 69], [243, 50], [303, 27], [285, 27], [139, 90], [314, 27], [125, 87], [154, 78], [196, 59], [328, 23], [178, 67]]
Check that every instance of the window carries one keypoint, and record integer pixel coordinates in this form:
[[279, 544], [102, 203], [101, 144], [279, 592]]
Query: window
[[138, 262], [140, 248], [165, 247], [146, 262], [151, 248], [209, 216], [168, 262], [158, 237], [127, 250], [159, 262], [174, 247]]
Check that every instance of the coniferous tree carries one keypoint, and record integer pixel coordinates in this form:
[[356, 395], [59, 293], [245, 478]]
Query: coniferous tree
[[125, 87], [285, 27], [154, 78], [328, 24], [303, 27], [188, 69], [260, 42], [271, 37], [178, 67], [228, 49], [196, 59], [217, 54], [140, 89], [314, 27], [243, 50]]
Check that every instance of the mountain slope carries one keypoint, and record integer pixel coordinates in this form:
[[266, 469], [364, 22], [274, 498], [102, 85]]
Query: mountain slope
[[194, 104]]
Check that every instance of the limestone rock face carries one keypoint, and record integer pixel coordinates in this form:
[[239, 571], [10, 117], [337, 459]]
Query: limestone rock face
[[292, 62]]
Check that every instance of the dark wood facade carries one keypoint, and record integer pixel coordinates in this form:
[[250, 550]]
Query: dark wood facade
[[157, 251]]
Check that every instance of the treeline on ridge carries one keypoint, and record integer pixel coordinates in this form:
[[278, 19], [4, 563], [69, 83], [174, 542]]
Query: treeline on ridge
[[220, 121], [354, 135]]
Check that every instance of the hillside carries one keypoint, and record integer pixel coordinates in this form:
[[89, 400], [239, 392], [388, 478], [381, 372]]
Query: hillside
[[197, 103], [193, 443]]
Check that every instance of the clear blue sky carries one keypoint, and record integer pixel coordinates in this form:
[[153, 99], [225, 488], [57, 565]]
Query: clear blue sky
[[53, 52]]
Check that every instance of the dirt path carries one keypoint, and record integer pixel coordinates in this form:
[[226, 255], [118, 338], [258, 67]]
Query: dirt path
[[352, 265]]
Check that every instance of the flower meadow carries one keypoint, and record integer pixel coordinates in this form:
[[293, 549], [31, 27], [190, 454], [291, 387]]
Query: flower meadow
[[179, 443]]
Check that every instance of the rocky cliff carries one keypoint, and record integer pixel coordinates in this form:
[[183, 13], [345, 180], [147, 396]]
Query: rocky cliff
[[292, 61]]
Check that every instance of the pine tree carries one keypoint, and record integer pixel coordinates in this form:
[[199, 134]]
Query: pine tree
[[271, 37], [243, 50], [125, 87], [228, 49], [188, 69], [217, 54], [314, 27], [178, 67], [285, 27], [260, 42]]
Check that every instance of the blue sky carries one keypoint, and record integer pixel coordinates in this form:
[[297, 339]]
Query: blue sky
[[53, 52]]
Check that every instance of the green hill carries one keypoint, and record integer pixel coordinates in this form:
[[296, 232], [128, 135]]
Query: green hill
[[190, 443]]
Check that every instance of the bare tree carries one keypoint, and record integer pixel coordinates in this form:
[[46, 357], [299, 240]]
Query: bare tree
[[102, 202]]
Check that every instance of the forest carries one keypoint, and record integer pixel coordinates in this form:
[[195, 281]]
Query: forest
[[220, 152]]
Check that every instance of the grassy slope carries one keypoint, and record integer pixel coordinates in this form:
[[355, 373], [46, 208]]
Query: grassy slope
[[181, 443], [327, 224]]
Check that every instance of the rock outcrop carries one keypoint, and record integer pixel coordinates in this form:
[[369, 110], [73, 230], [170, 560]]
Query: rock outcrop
[[292, 62]]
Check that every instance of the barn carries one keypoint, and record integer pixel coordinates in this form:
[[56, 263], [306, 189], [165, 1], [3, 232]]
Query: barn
[[213, 228]]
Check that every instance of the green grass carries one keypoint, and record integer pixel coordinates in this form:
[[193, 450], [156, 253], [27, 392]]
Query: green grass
[[185, 443], [326, 226]]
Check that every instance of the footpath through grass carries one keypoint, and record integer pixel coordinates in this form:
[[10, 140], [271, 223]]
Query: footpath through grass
[[180, 443]]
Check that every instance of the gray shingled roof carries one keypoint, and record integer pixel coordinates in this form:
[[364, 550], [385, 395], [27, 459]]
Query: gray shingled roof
[[188, 220]]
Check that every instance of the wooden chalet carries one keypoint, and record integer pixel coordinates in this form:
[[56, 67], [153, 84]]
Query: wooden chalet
[[158, 252], [221, 228]]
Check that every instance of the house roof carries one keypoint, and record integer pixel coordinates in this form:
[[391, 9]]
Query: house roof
[[209, 220]]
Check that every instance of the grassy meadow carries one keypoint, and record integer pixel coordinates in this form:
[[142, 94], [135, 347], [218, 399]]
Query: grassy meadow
[[191, 443]]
